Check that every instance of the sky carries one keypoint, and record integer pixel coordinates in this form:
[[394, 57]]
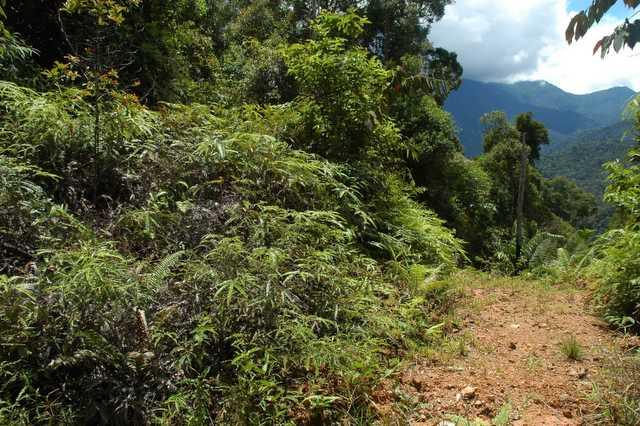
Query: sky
[[512, 40]]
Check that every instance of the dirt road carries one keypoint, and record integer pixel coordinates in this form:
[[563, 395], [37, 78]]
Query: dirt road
[[508, 359]]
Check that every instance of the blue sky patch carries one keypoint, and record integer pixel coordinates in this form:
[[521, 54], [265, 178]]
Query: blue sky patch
[[619, 10]]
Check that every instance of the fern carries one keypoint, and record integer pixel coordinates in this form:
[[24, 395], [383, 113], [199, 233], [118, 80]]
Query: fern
[[162, 270], [541, 248]]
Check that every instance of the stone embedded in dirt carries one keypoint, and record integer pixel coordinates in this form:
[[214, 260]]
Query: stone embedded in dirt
[[515, 326], [580, 373], [468, 393], [446, 423], [419, 383], [487, 411], [630, 343]]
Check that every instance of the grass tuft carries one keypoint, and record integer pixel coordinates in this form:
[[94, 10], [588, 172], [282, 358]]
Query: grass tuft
[[572, 349]]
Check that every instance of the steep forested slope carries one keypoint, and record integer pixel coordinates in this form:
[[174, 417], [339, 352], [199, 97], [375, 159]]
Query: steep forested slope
[[584, 154], [583, 157], [190, 234]]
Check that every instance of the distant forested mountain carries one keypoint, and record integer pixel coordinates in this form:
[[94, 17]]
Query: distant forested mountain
[[582, 157], [603, 107], [564, 114]]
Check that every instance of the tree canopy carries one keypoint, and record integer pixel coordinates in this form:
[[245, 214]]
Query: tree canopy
[[534, 132]]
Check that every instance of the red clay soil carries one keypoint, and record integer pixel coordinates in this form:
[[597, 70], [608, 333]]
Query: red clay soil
[[508, 352]]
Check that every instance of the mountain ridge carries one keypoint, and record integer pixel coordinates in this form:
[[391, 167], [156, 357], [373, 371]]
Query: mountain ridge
[[563, 113], [609, 102]]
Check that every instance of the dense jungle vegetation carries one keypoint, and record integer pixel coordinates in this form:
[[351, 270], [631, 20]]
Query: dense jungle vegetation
[[243, 211]]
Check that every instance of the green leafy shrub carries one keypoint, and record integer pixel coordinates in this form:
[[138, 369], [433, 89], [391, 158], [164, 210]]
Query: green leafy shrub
[[618, 265], [22, 203], [214, 264], [55, 132], [253, 283], [342, 92], [565, 259], [67, 332]]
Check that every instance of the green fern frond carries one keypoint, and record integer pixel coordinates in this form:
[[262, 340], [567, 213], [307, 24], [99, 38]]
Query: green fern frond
[[162, 270]]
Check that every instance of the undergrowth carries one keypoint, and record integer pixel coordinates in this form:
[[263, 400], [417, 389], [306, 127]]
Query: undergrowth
[[253, 284], [617, 397]]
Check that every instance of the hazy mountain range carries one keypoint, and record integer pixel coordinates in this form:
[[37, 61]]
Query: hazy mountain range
[[565, 114]]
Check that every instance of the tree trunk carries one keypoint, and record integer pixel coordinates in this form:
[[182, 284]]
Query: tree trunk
[[522, 184]]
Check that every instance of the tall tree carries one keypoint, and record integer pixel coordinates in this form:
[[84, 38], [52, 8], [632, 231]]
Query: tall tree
[[535, 134], [442, 65], [498, 129], [97, 59], [213, 51], [503, 148]]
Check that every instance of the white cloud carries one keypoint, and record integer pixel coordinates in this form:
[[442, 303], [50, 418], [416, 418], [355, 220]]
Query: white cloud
[[507, 40], [577, 70]]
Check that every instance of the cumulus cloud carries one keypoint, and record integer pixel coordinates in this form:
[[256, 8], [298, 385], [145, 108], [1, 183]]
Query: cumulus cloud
[[496, 39], [577, 70], [507, 40]]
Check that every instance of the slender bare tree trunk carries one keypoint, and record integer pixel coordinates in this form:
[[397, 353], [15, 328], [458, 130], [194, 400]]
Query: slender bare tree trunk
[[521, 192]]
